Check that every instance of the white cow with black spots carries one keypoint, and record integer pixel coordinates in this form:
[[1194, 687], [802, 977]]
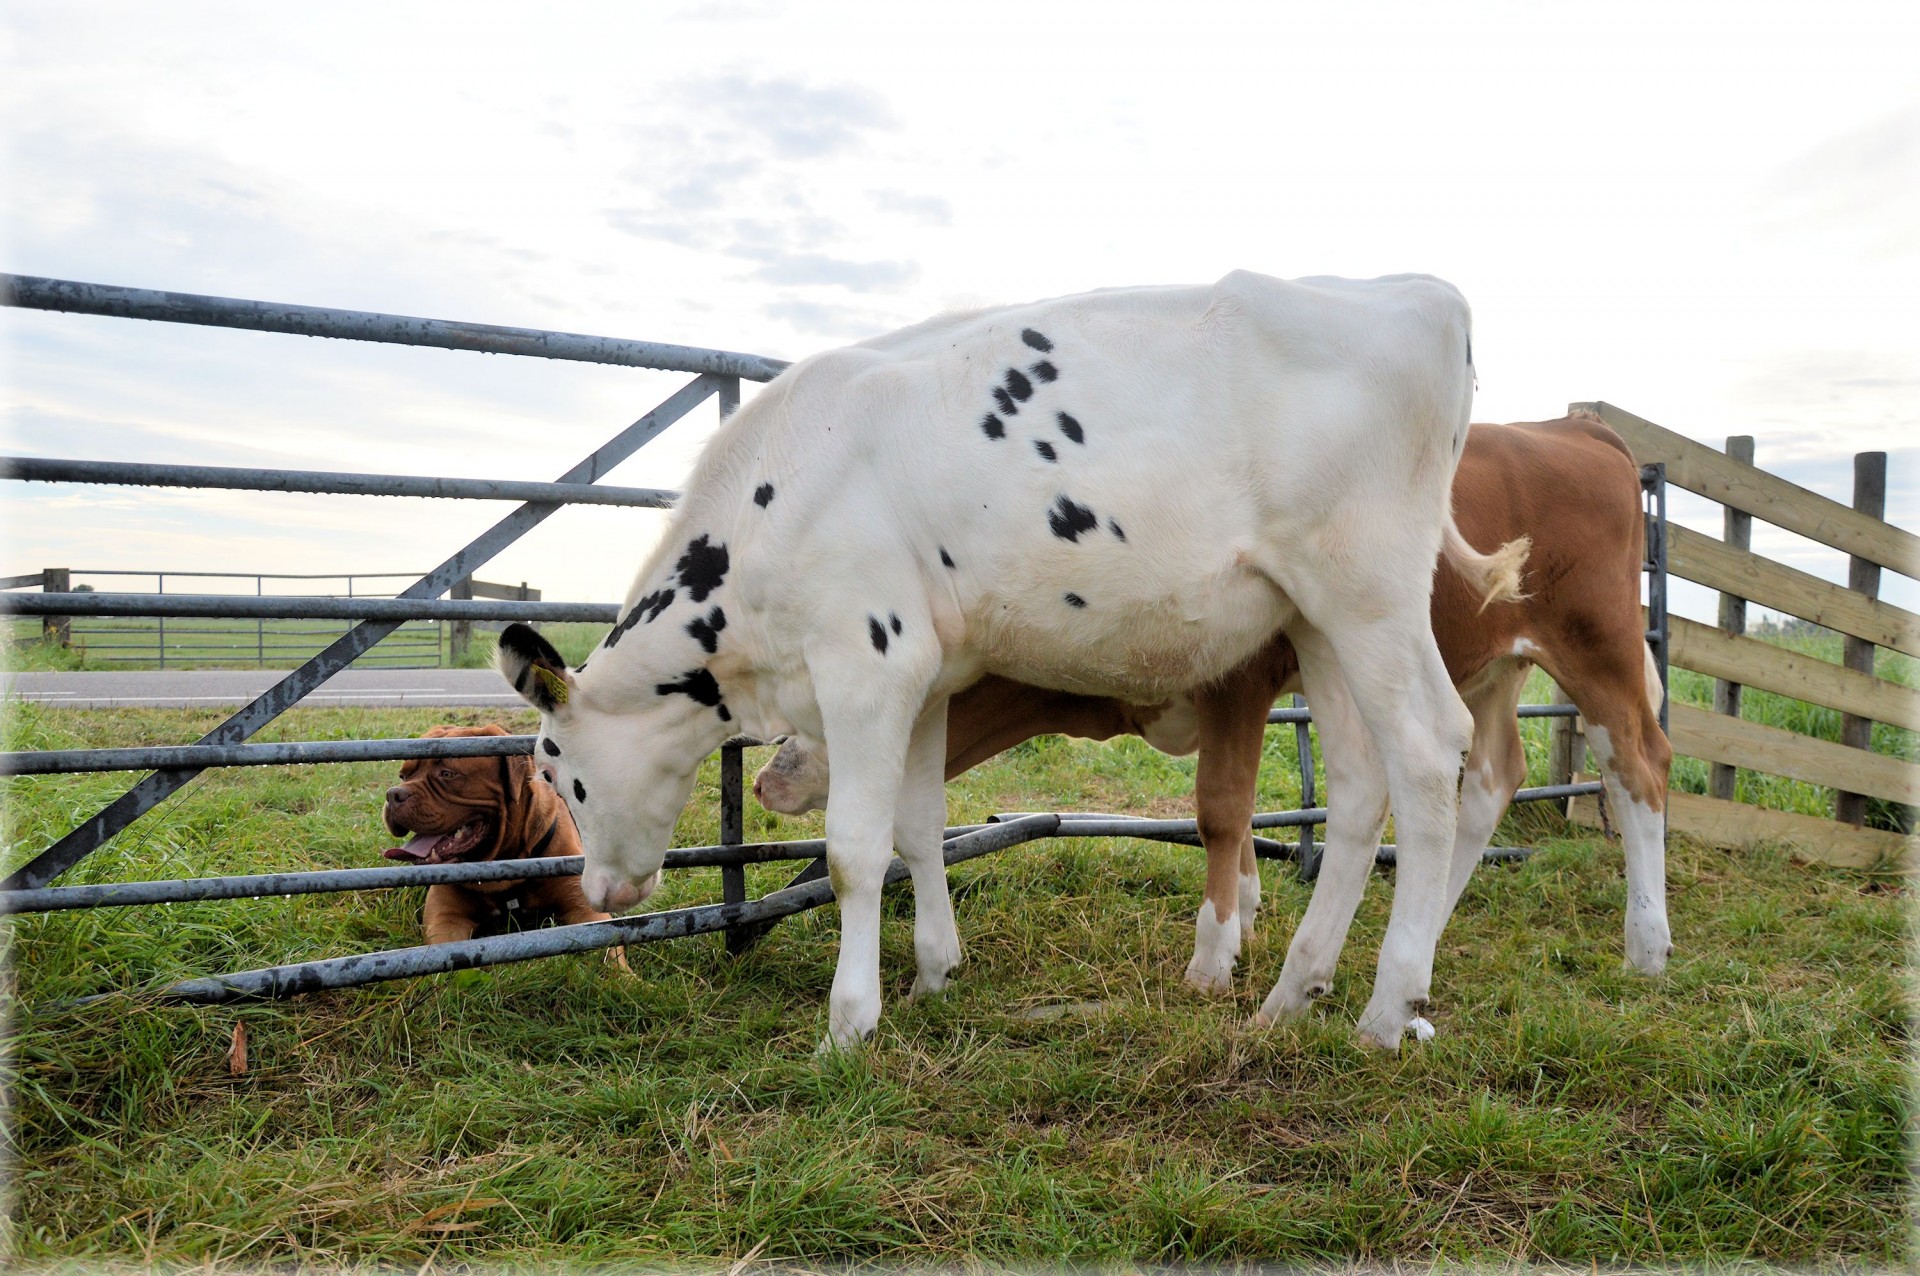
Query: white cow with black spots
[[1123, 493]]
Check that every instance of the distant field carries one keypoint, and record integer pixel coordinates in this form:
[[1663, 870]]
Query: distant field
[[196, 643], [1069, 1100]]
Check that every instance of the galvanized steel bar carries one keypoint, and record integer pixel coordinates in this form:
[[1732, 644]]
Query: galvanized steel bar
[[296, 753], [49, 899], [158, 786], [43, 469], [37, 293], [1308, 853], [1300, 713], [1653, 479], [366, 968], [297, 607]]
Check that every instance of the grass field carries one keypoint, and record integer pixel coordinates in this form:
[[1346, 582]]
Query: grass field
[[1068, 1101]]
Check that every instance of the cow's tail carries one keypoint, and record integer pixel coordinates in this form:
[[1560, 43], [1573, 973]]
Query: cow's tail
[[1496, 576]]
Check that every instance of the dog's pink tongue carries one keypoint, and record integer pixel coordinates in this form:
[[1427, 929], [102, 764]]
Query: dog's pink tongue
[[418, 850]]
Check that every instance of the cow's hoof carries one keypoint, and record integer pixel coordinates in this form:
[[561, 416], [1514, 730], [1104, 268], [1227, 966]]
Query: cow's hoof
[[834, 1047], [1649, 945], [928, 986], [1209, 978], [1376, 1039]]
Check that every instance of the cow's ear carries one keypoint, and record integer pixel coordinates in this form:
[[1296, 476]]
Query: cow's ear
[[535, 669]]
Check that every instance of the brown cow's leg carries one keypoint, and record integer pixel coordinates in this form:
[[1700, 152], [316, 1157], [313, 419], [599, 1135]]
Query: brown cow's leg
[[1496, 765], [1233, 722], [1620, 701]]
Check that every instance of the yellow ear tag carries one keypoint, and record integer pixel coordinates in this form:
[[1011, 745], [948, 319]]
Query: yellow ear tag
[[556, 685]]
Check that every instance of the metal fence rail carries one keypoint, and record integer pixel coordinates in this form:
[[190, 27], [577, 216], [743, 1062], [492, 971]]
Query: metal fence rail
[[171, 767], [38, 293], [40, 469]]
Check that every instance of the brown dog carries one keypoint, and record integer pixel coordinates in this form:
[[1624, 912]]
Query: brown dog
[[464, 810]]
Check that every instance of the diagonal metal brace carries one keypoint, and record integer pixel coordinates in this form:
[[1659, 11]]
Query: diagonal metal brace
[[283, 695]]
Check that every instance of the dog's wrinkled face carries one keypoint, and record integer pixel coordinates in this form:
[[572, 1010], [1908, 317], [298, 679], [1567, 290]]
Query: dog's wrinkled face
[[452, 806]]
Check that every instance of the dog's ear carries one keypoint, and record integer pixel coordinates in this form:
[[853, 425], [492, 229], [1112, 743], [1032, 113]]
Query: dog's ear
[[535, 669]]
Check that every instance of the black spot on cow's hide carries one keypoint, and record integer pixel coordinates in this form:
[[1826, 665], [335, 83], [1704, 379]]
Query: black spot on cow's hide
[[698, 683], [707, 629], [1018, 385], [945, 559], [1071, 428], [1044, 370], [1115, 529], [1005, 400], [1045, 449], [644, 610], [551, 749], [763, 494], [893, 619], [1074, 600], [1035, 340], [991, 424], [702, 567], [878, 633], [580, 790], [1068, 519]]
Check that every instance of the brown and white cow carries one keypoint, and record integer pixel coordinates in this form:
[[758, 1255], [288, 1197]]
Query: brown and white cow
[[1573, 488]]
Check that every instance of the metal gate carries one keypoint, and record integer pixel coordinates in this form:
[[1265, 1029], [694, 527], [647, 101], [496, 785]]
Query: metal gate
[[716, 375]]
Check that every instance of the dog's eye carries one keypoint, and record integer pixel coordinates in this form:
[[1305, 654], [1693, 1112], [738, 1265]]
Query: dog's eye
[[448, 773]]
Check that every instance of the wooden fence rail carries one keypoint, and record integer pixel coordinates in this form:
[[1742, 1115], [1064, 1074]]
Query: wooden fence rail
[[1722, 737]]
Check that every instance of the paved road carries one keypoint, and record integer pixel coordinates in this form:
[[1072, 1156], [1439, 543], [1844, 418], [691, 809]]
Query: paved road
[[198, 689]]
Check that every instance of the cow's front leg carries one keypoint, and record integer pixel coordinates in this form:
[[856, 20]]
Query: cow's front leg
[[919, 823], [1233, 721], [869, 702]]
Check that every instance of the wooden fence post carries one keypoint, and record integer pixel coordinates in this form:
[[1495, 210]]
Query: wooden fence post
[[1567, 752], [462, 633], [1863, 577], [1738, 529], [57, 629]]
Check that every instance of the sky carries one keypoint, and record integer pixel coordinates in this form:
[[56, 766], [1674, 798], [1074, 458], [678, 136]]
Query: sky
[[1706, 214]]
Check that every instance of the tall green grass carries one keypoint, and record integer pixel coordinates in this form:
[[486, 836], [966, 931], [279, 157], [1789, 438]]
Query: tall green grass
[[1068, 1102]]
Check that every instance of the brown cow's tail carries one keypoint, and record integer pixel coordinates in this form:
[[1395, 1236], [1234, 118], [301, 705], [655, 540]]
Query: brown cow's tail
[[1496, 576]]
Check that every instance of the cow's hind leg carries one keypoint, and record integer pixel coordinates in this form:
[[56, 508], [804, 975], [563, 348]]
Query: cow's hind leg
[[920, 821], [1356, 814], [1400, 687], [1496, 766], [1620, 700]]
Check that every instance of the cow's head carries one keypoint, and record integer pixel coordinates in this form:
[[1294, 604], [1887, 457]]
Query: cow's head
[[795, 780], [623, 758]]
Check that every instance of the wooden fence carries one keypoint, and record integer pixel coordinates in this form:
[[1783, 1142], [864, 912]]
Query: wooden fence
[[1721, 737]]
